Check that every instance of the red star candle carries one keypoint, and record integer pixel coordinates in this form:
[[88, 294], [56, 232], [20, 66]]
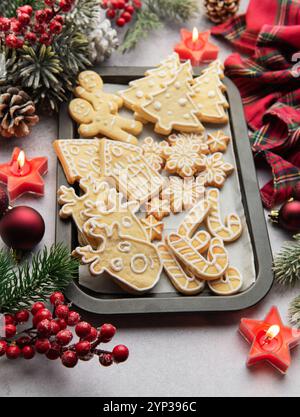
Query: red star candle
[[22, 175], [196, 47], [271, 340]]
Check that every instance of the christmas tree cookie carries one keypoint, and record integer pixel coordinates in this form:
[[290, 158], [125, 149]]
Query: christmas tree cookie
[[173, 107]]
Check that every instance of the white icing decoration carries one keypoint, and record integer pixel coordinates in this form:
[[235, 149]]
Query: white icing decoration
[[127, 222], [198, 90], [74, 150], [182, 102], [168, 95], [116, 151], [186, 116], [139, 94], [134, 259], [211, 94], [177, 85], [117, 264], [206, 80], [124, 247], [157, 105], [162, 73], [170, 113], [151, 83]]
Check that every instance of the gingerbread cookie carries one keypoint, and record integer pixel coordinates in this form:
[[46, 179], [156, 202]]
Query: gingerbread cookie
[[91, 89], [231, 283], [216, 170], [115, 210], [228, 232], [134, 264], [183, 194], [79, 158], [102, 122], [154, 152], [141, 90], [206, 269], [126, 167], [183, 158], [194, 218], [95, 195], [173, 107], [185, 282], [209, 98], [190, 138], [158, 207], [153, 227], [218, 141]]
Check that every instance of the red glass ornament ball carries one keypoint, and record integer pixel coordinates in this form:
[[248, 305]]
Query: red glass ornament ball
[[289, 216], [4, 201]]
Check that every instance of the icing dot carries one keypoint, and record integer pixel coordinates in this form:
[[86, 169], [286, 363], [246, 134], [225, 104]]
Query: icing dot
[[151, 83], [206, 80], [139, 94], [211, 94], [170, 113], [126, 222], [200, 106], [182, 101], [168, 95], [186, 116], [157, 105], [198, 90], [177, 85], [162, 73]]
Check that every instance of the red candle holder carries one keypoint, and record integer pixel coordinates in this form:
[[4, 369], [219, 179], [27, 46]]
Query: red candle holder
[[270, 340], [196, 47], [22, 175]]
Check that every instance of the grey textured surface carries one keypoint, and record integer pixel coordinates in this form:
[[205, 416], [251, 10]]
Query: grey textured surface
[[171, 355]]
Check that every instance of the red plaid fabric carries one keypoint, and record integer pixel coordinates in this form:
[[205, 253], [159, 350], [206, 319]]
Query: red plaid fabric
[[269, 84]]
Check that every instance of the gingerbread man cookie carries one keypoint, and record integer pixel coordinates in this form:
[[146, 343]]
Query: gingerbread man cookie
[[91, 89], [102, 122], [134, 264]]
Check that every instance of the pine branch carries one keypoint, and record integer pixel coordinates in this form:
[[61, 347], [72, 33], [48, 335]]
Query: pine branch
[[49, 270], [173, 10], [287, 263], [146, 21], [294, 312]]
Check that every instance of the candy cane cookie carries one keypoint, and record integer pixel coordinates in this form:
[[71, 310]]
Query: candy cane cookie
[[229, 284], [194, 218]]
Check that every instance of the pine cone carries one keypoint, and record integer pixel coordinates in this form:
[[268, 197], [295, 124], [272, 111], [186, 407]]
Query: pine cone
[[219, 11], [102, 41], [17, 113]]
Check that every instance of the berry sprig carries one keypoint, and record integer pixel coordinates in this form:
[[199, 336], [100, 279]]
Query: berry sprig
[[49, 335], [35, 26], [121, 11]]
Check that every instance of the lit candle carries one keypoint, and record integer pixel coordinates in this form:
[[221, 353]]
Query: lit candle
[[22, 175], [196, 47], [271, 340]]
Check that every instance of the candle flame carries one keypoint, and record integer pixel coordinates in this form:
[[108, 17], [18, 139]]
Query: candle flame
[[195, 35], [21, 159], [272, 332]]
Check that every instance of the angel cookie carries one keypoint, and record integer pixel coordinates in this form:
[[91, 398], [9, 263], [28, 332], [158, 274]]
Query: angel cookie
[[102, 122], [90, 88], [133, 264]]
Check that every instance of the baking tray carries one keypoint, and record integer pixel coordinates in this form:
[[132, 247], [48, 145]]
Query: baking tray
[[174, 302]]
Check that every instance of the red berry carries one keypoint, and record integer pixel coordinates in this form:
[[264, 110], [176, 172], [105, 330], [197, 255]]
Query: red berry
[[104, 4], [121, 4], [62, 323], [44, 328], [60, 19], [40, 16], [137, 4], [105, 359], [64, 337], [120, 353], [49, 14], [13, 352], [42, 314], [36, 307], [12, 41], [55, 27], [4, 24], [45, 39], [28, 352], [120, 22], [9, 319], [15, 26], [22, 316], [50, 2], [55, 327], [3, 347], [111, 13], [42, 345], [83, 348], [25, 9], [126, 16], [62, 311], [54, 351], [83, 329], [65, 5], [107, 332], [30, 37], [129, 9], [87, 357], [24, 19], [10, 330], [69, 359], [92, 336], [73, 318], [114, 4], [57, 298], [23, 341]]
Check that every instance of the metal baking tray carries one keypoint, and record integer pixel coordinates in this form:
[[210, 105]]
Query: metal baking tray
[[174, 302]]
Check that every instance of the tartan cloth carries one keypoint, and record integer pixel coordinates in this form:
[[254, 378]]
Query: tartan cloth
[[269, 83]]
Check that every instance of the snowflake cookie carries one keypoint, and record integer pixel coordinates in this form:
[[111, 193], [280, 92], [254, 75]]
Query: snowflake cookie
[[154, 228], [184, 158], [187, 138], [216, 170], [217, 141], [154, 152]]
